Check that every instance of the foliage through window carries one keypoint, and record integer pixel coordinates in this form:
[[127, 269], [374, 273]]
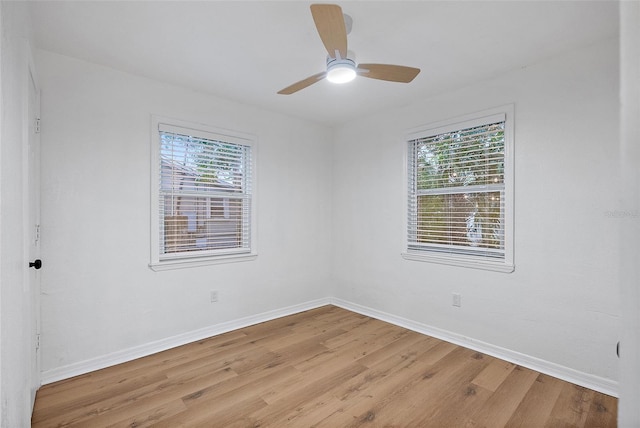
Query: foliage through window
[[204, 194], [457, 192]]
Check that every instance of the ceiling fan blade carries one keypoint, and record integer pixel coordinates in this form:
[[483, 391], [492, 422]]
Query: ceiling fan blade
[[392, 73], [302, 84], [330, 24]]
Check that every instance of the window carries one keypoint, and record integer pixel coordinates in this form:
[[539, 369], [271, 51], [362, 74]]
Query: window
[[460, 192], [203, 195]]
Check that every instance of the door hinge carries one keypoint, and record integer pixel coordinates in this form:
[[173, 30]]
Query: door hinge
[[36, 127], [38, 341]]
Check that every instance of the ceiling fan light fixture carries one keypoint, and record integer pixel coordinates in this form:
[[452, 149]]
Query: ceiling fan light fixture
[[341, 70]]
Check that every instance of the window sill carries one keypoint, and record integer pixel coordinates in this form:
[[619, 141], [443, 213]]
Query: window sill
[[460, 261], [200, 261]]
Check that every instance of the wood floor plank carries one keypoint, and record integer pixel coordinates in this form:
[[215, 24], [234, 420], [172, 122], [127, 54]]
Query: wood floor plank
[[85, 399], [439, 351], [310, 413], [536, 407], [452, 410], [326, 367], [148, 405], [222, 414], [357, 394], [329, 320], [603, 411], [168, 390], [208, 361], [308, 344], [221, 411], [414, 398], [261, 378], [450, 399], [159, 363], [572, 407], [148, 418], [356, 347], [491, 377], [270, 415], [499, 408], [360, 330], [406, 346]]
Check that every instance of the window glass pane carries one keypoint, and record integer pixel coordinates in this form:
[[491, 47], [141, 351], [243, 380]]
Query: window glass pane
[[205, 190], [190, 163], [474, 220], [473, 156]]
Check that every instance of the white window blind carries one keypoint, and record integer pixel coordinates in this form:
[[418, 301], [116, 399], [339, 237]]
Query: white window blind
[[204, 194], [457, 191]]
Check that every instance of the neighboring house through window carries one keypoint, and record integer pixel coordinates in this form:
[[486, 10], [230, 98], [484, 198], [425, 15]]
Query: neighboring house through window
[[202, 195], [460, 192]]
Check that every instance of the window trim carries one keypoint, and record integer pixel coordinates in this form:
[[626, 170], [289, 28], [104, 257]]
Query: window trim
[[161, 263], [462, 122]]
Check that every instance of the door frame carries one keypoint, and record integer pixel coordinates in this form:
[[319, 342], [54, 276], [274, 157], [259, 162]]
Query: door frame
[[31, 221]]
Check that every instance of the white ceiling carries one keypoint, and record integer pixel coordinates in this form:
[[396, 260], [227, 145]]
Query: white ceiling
[[247, 51]]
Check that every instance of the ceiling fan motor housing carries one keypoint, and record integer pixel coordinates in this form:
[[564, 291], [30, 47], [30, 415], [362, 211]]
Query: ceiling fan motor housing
[[341, 70]]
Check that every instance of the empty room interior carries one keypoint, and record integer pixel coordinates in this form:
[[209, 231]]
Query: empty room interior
[[202, 225]]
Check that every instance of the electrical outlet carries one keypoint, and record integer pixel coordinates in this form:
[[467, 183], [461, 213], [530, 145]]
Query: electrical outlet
[[214, 296], [457, 299]]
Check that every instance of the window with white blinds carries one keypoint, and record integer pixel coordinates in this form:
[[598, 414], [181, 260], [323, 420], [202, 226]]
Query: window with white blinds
[[459, 193], [203, 195]]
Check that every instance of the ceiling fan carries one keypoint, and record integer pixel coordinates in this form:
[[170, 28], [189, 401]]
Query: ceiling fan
[[341, 65]]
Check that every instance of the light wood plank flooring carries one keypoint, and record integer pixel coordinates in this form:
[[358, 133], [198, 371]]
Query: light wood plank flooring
[[327, 367]]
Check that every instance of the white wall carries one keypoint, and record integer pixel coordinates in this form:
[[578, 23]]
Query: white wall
[[99, 296], [561, 305], [15, 310], [629, 411]]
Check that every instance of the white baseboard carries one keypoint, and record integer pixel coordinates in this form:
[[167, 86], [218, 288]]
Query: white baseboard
[[130, 354], [606, 386], [586, 380]]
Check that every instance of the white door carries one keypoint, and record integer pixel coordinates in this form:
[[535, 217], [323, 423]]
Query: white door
[[32, 228]]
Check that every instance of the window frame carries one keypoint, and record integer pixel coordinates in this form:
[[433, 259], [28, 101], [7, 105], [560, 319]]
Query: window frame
[[161, 262], [459, 123]]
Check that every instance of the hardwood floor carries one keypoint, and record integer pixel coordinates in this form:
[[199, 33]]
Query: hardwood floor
[[327, 367]]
